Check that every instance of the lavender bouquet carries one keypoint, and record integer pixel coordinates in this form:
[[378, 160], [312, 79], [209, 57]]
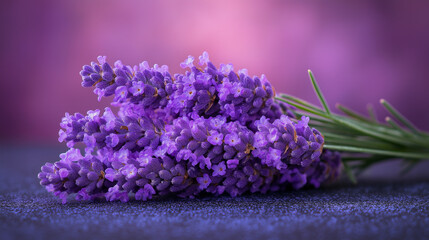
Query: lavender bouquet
[[210, 130]]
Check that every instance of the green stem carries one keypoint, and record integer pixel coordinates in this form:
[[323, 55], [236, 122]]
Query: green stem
[[372, 133], [352, 113], [351, 141], [319, 92], [333, 117], [306, 109], [300, 101], [399, 116], [397, 127], [378, 151]]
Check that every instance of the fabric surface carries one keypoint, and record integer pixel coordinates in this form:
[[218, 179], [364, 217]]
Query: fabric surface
[[387, 208]]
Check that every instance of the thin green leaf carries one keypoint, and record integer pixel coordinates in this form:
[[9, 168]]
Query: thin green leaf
[[352, 113], [355, 142], [331, 117], [386, 133], [371, 132], [397, 127], [397, 154], [317, 119], [380, 128], [300, 101], [319, 92], [399, 116], [302, 107], [332, 129]]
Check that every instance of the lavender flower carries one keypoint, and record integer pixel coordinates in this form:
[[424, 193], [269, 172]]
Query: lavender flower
[[213, 91], [140, 85], [190, 139], [208, 130], [75, 174], [284, 142], [117, 175], [132, 130]]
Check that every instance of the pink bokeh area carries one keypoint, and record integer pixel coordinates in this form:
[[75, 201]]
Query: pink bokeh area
[[360, 51]]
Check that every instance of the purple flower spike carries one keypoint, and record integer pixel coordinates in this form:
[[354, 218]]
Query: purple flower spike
[[288, 142], [128, 131], [141, 85]]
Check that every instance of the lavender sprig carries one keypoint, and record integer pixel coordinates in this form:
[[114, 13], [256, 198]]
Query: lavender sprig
[[140, 85], [120, 175], [130, 130], [284, 141]]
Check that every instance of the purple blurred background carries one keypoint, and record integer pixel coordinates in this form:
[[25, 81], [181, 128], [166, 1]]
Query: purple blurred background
[[360, 51]]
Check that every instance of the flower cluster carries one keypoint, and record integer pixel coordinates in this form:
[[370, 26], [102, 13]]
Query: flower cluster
[[212, 92], [283, 142], [128, 130], [208, 130], [140, 85]]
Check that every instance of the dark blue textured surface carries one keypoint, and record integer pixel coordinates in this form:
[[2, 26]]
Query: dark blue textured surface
[[373, 209]]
